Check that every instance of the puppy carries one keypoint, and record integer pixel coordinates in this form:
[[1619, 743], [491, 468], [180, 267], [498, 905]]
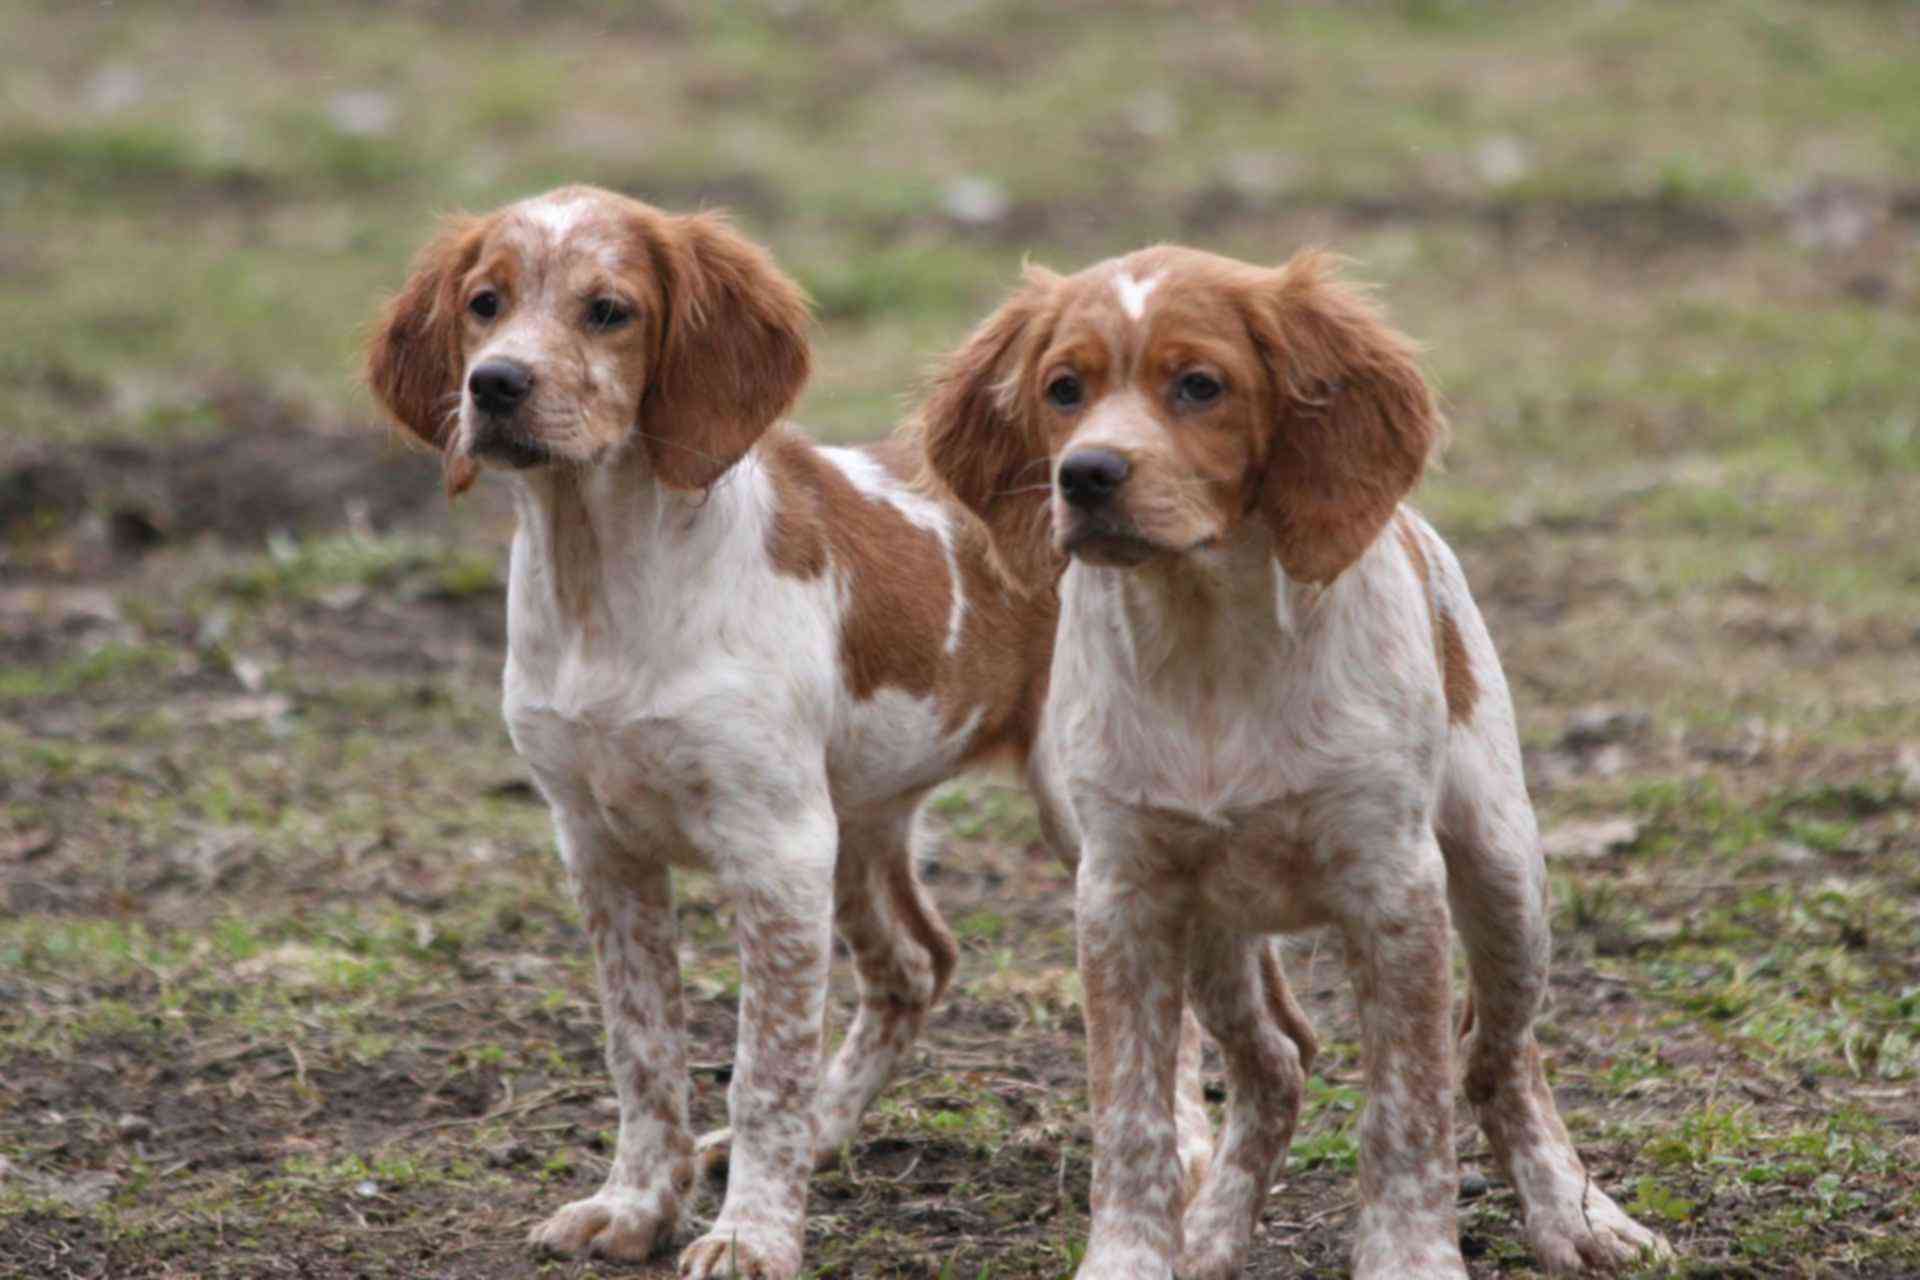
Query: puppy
[[1273, 705], [728, 648]]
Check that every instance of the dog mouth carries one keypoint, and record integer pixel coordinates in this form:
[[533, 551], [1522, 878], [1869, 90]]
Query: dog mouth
[[508, 445], [1100, 543]]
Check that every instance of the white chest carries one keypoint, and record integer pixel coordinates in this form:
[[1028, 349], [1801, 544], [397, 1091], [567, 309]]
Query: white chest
[[1220, 690]]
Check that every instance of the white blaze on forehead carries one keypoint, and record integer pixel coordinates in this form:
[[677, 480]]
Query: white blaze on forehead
[[557, 217], [556, 222], [1133, 293]]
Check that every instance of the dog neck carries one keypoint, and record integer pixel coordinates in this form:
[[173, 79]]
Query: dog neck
[[605, 542], [1211, 608]]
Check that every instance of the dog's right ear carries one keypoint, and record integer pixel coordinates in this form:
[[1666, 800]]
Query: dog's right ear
[[979, 431], [1356, 421], [734, 352], [414, 362]]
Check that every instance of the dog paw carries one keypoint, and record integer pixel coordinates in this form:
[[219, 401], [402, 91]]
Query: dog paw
[[1426, 1269], [714, 1149], [748, 1251], [1217, 1226], [1215, 1259], [621, 1224], [1601, 1238], [1425, 1256], [1125, 1262]]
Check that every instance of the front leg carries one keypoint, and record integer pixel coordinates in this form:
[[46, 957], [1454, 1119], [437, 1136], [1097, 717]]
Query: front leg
[[1193, 1128], [1132, 965], [779, 875], [1236, 983], [1398, 952], [627, 907]]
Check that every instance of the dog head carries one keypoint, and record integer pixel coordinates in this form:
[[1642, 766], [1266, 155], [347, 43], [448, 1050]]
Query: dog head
[[560, 328], [1152, 404]]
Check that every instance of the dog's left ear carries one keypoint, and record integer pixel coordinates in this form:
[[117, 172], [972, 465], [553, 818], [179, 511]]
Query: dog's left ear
[[1355, 421], [733, 349], [413, 361], [978, 435]]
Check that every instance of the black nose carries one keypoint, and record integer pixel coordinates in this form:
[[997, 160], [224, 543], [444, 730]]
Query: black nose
[[498, 386], [1091, 476]]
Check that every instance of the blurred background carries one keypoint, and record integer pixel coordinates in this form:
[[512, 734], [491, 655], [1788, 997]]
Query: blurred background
[[289, 983]]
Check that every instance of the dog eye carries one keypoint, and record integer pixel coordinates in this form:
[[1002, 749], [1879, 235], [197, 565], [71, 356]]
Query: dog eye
[[1065, 391], [485, 304], [1198, 388], [605, 313]]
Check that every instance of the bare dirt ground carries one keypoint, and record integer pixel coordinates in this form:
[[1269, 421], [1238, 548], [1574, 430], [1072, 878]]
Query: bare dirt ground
[[289, 981], [250, 1039]]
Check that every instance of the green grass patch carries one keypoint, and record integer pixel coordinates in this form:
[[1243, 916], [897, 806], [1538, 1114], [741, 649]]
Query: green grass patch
[[295, 570]]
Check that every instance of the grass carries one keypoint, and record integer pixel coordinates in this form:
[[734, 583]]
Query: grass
[[290, 982], [326, 566]]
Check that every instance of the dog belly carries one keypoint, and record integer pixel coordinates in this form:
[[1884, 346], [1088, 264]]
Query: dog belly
[[621, 784], [894, 744], [1250, 872], [1260, 882]]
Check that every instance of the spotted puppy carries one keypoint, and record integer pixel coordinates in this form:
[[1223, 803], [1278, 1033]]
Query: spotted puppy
[[728, 648], [1273, 705]]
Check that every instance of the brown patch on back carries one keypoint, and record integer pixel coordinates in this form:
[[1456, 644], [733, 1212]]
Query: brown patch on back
[[1456, 673], [1006, 634], [797, 536], [895, 628], [894, 631], [1006, 648]]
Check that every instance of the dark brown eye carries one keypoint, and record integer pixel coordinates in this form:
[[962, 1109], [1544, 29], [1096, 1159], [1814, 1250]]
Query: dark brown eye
[[1198, 388], [485, 304], [605, 313], [1065, 391]]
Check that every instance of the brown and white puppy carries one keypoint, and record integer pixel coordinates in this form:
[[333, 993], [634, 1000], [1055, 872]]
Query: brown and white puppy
[[728, 648], [1273, 705]]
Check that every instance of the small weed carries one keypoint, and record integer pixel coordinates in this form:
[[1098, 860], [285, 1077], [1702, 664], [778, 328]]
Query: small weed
[[1654, 1202], [109, 664]]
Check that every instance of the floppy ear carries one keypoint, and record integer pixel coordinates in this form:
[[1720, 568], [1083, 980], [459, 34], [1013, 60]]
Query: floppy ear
[[978, 434], [1354, 423], [733, 349], [414, 361]]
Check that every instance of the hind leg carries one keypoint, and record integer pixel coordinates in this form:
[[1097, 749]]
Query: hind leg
[[1496, 884], [903, 957], [1241, 995]]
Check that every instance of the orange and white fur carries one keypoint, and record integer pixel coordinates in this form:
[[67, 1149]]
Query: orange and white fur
[[728, 648], [1273, 705]]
